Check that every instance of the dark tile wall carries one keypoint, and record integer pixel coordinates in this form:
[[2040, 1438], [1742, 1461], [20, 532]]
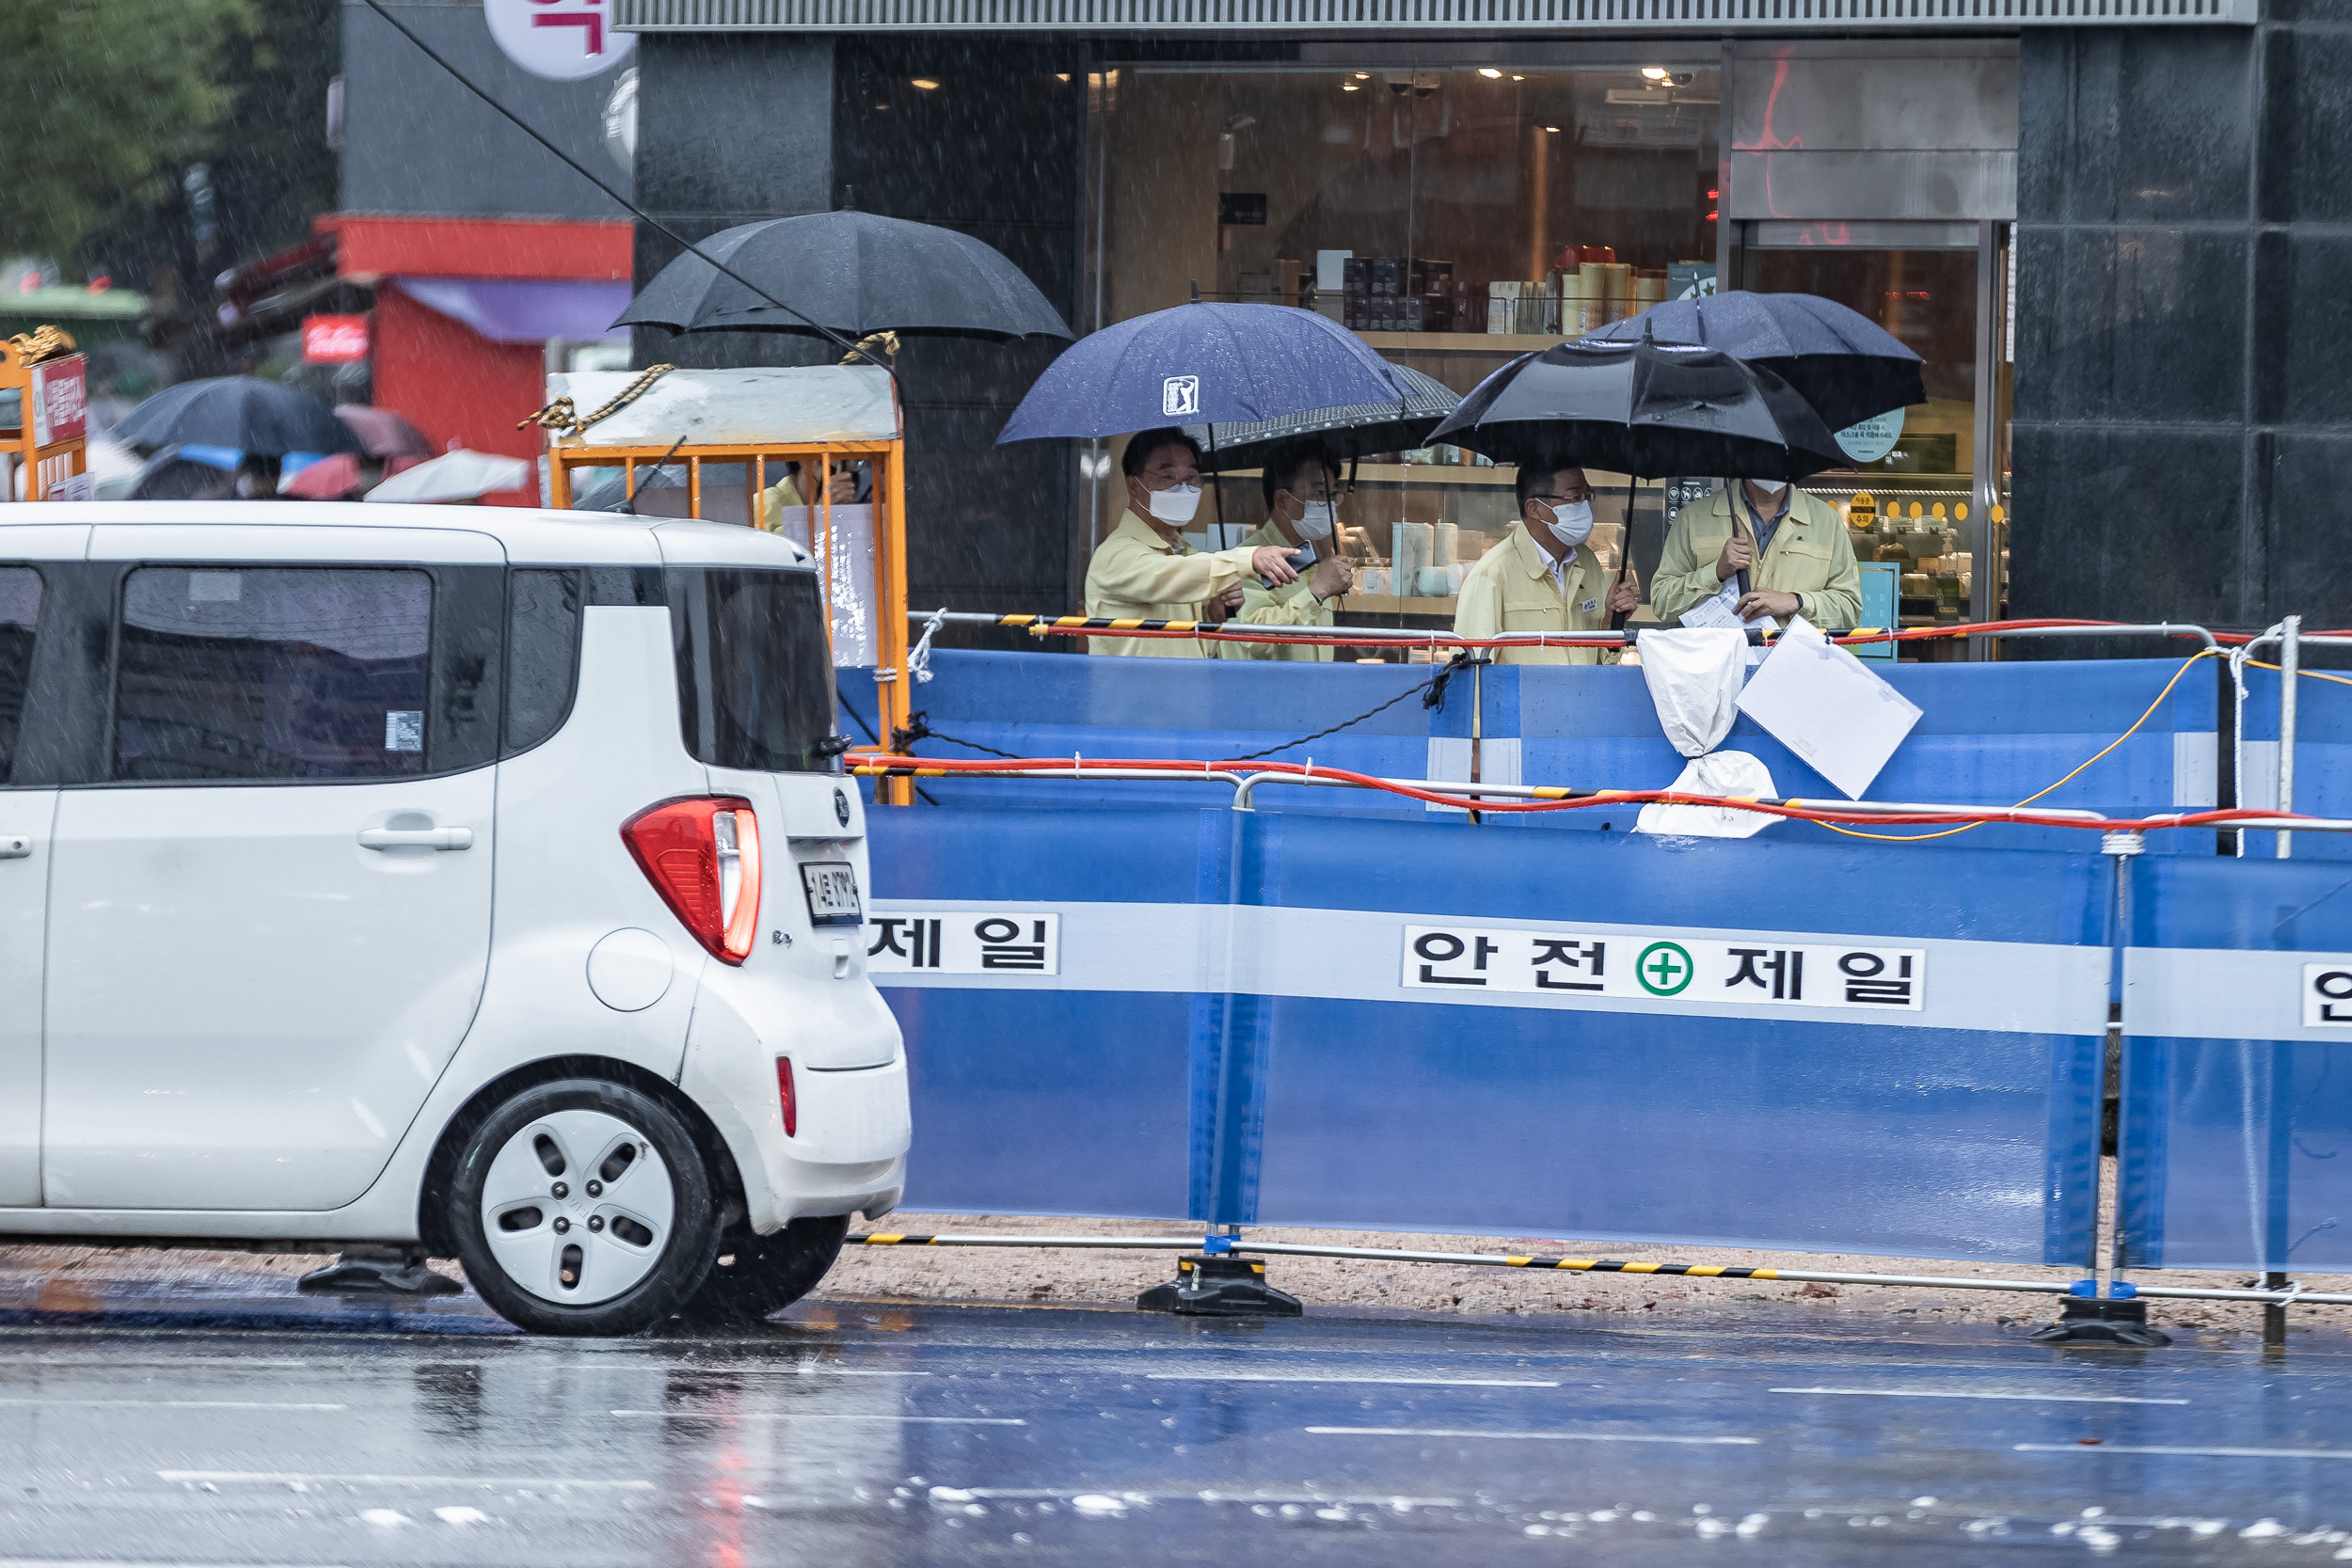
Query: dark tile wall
[[740, 127], [2182, 421]]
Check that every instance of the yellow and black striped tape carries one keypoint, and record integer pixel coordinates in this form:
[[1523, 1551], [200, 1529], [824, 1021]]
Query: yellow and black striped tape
[[1605, 1265], [1585, 1265]]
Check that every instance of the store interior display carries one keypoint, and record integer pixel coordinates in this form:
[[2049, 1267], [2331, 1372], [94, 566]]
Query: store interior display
[[1458, 214]]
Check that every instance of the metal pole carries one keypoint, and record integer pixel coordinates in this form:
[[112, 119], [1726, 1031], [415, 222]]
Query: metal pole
[[1985, 479], [2289, 672]]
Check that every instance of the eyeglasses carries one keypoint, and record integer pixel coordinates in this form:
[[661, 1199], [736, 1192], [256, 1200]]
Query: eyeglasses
[[1574, 498]]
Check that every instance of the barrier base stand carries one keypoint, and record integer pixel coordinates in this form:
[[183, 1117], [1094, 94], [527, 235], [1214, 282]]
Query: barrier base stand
[[378, 1271], [1208, 1287], [2091, 1321]]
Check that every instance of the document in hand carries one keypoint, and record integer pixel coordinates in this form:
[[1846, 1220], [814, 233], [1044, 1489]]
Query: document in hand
[[1717, 610], [1828, 706]]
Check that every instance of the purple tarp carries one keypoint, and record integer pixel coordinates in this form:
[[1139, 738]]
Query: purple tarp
[[525, 310]]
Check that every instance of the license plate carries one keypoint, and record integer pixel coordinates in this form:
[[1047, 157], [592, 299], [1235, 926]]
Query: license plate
[[831, 888]]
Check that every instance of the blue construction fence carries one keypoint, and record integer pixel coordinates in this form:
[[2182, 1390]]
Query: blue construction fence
[[1340, 1010]]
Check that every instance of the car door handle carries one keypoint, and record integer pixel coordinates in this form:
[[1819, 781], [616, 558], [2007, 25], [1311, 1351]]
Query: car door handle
[[14, 847], [416, 838]]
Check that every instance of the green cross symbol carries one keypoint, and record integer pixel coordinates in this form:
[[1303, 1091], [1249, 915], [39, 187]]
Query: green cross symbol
[[1663, 969]]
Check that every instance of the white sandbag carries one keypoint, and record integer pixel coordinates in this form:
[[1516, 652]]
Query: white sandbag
[[1717, 773], [1694, 675]]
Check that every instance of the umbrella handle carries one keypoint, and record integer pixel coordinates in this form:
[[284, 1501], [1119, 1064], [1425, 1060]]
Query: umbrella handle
[[1624, 556]]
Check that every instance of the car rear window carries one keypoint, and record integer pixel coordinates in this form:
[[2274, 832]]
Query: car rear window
[[542, 653], [20, 612], [755, 674], [240, 673]]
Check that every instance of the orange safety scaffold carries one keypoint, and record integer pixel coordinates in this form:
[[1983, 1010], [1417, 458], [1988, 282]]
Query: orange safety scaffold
[[44, 418], [762, 448]]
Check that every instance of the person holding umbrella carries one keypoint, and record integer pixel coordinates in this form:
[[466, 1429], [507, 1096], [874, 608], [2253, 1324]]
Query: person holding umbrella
[[1544, 577], [1302, 491], [1144, 572], [1767, 546]]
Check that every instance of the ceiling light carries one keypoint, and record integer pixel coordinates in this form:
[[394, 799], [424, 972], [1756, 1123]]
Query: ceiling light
[[1062, 76], [1553, 129], [1518, 78], [1490, 74], [1654, 72], [1364, 76], [926, 84], [1349, 87]]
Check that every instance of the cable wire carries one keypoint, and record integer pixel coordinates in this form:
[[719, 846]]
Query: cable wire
[[581, 170], [1915, 838]]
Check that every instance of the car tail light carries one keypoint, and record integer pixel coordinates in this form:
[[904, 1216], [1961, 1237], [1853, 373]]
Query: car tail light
[[784, 1098], [702, 855]]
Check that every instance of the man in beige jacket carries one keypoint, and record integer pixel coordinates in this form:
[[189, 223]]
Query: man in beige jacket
[[1302, 498], [1143, 571], [1543, 575], [1806, 562]]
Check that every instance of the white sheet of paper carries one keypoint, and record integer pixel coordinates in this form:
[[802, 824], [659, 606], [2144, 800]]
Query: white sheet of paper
[[1829, 707], [1716, 612]]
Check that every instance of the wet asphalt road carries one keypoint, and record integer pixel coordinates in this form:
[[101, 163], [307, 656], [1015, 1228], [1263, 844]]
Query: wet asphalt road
[[164, 1432]]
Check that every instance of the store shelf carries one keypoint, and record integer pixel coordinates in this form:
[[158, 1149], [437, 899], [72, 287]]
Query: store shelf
[[1431, 473], [1460, 343], [1387, 604]]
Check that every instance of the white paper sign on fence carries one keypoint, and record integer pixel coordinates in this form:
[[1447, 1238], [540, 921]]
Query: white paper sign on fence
[[1829, 707]]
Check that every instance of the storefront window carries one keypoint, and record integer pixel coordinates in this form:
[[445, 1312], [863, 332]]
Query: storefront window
[[1454, 214], [1910, 497]]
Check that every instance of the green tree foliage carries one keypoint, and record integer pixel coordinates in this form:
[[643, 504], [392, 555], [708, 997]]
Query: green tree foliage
[[102, 97]]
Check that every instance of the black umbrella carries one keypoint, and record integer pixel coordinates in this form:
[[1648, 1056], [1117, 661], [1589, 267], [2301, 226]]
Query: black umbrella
[[1643, 409], [1350, 431], [853, 272], [261, 418], [1843, 363]]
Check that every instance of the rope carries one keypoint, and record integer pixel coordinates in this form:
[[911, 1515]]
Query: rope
[[42, 342], [563, 419], [887, 342], [919, 658]]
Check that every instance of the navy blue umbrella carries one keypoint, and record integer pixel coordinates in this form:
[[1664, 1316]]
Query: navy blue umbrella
[[1840, 361], [1204, 363]]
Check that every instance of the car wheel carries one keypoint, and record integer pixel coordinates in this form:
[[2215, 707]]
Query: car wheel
[[582, 1207], [757, 1276]]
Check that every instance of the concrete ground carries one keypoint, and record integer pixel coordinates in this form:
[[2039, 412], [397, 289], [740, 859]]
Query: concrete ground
[[72, 1278]]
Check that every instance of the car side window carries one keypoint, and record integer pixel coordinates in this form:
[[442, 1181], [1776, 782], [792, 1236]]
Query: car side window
[[229, 673], [542, 653], [20, 613]]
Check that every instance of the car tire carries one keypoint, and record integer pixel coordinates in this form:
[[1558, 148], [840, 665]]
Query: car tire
[[582, 1207], [756, 1277]]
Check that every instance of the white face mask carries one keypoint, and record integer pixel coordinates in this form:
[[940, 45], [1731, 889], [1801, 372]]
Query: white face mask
[[1771, 487], [1177, 505], [1572, 524], [1316, 522]]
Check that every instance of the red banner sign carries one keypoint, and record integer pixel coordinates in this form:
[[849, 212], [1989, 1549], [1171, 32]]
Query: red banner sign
[[334, 339], [60, 400]]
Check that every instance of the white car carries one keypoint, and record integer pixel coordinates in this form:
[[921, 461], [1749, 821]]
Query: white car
[[481, 883]]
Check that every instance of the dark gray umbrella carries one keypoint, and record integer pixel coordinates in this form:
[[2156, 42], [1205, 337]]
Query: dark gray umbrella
[[854, 272], [261, 418], [1844, 364], [1645, 409], [1349, 431]]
